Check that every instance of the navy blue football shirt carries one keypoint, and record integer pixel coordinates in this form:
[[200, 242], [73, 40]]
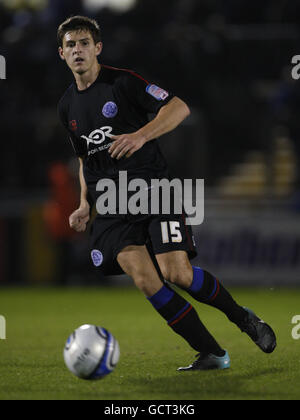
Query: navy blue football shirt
[[118, 102]]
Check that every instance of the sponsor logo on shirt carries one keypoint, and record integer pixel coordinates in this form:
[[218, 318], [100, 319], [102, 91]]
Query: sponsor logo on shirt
[[98, 136], [157, 92]]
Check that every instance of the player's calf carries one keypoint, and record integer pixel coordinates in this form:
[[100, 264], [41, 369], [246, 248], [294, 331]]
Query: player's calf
[[183, 319], [200, 284], [179, 314], [181, 278], [207, 289]]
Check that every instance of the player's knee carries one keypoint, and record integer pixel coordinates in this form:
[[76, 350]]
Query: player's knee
[[165, 271], [176, 268], [170, 273], [181, 277]]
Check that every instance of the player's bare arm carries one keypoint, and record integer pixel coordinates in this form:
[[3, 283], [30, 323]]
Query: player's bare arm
[[167, 119], [80, 217]]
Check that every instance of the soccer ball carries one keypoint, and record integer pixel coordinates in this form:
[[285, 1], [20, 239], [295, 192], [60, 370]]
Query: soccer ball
[[91, 352]]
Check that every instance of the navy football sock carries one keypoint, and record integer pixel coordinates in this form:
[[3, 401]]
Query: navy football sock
[[184, 320], [207, 289]]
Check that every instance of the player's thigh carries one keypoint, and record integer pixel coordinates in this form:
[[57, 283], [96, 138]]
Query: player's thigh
[[137, 263], [175, 267], [109, 236], [170, 233], [173, 245]]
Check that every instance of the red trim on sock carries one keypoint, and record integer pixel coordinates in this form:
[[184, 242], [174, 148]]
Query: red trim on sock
[[181, 316], [217, 291]]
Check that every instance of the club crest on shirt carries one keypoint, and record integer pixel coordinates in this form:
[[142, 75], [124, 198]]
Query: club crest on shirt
[[157, 92], [110, 110], [97, 257]]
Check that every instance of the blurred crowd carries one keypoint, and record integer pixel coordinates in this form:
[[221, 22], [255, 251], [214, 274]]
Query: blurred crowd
[[227, 58]]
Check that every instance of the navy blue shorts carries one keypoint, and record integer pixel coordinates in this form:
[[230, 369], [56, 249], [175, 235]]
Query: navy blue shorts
[[160, 233]]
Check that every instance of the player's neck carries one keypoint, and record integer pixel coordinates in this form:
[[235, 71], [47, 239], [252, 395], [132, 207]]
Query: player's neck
[[85, 80]]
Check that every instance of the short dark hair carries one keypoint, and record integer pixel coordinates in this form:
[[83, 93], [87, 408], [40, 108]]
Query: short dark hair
[[79, 23]]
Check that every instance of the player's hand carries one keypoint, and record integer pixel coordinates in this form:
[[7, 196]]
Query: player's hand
[[79, 218], [125, 145]]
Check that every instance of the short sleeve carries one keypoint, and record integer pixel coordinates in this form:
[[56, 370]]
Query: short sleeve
[[78, 145], [149, 96]]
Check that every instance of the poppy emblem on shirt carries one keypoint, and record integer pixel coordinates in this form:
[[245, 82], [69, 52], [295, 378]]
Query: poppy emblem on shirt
[[73, 125], [110, 110]]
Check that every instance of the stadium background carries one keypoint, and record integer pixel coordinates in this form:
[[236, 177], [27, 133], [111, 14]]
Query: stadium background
[[230, 61]]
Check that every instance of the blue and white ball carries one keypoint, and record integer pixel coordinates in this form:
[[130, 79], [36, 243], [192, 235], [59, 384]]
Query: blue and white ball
[[91, 352]]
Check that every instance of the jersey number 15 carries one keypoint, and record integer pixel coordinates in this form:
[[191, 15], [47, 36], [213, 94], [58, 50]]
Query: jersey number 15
[[170, 230]]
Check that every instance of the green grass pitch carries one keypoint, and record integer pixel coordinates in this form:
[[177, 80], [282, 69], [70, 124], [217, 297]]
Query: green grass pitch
[[38, 322]]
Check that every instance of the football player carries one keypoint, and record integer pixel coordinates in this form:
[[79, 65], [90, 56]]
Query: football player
[[105, 112]]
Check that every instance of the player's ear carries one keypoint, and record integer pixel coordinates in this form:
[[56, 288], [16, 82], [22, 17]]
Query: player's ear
[[99, 48], [61, 53]]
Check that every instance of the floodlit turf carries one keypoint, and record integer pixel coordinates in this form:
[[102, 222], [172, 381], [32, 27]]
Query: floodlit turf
[[40, 320]]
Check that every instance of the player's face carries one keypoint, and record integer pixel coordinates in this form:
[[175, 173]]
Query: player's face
[[80, 51]]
